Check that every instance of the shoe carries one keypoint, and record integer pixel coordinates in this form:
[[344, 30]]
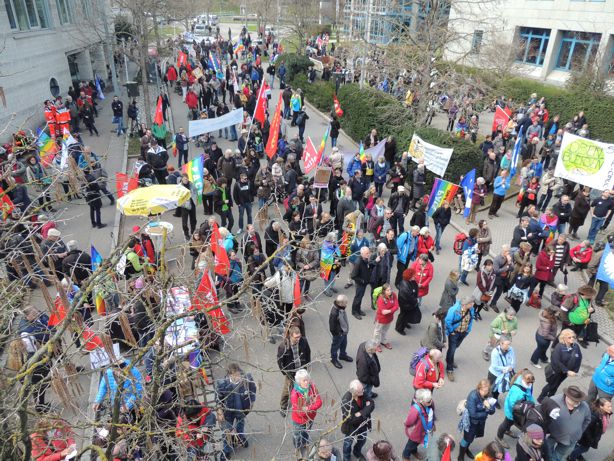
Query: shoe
[[469, 454], [346, 358], [374, 395], [401, 332], [503, 443], [336, 364], [478, 316], [94, 225], [348, 285], [357, 316], [495, 308], [334, 290], [584, 344], [485, 308], [544, 360], [486, 356], [272, 340], [111, 202], [497, 405], [536, 365], [575, 269], [328, 293], [450, 376], [437, 251], [464, 283], [100, 226], [387, 345], [378, 349], [363, 313], [282, 413], [360, 457], [455, 366]]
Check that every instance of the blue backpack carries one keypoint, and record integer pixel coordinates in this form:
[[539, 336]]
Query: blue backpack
[[417, 358]]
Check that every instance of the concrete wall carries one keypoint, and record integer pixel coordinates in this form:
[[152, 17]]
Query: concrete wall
[[31, 58], [556, 15]]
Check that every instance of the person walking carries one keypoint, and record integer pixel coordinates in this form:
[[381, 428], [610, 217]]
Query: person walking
[[601, 412], [530, 445], [544, 336], [576, 312], [459, 321], [361, 275], [568, 416], [504, 324], [409, 310], [565, 361], [339, 327], [306, 402], [521, 389], [182, 143], [292, 354], [501, 186], [602, 382], [368, 367], [419, 423], [601, 207], [579, 212], [243, 196], [356, 409], [544, 270], [407, 250], [387, 305], [485, 288], [450, 290], [479, 407], [93, 197], [502, 366], [424, 274]]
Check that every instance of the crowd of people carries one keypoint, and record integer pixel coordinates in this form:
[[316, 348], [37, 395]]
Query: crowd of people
[[352, 232]]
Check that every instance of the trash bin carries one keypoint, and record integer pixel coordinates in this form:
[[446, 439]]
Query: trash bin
[[132, 88]]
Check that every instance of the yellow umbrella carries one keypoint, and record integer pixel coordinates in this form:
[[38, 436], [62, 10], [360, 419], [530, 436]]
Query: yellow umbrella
[[153, 200]]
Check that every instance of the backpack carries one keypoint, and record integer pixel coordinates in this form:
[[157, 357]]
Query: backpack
[[376, 293], [417, 358], [526, 413], [459, 239]]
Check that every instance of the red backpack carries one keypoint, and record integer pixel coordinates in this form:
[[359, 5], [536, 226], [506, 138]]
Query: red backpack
[[459, 239]]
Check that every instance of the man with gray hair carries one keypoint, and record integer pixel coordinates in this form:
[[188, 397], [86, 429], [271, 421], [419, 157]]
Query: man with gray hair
[[77, 264], [458, 325], [356, 410], [368, 367], [339, 328]]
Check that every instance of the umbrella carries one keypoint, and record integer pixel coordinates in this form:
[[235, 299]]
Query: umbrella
[[153, 200]]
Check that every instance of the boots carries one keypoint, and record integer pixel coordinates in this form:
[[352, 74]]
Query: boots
[[469, 454], [462, 451]]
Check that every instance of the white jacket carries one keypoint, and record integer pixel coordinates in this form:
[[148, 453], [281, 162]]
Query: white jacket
[[284, 282]]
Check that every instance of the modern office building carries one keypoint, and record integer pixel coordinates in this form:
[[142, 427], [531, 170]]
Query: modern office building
[[382, 21], [541, 39], [45, 45]]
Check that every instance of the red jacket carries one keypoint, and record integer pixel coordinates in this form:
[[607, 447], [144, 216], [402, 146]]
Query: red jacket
[[423, 277], [50, 449], [427, 373], [189, 432], [425, 245], [544, 267], [171, 74], [191, 100], [391, 303], [305, 411], [583, 254]]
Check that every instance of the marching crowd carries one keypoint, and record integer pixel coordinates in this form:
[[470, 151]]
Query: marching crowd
[[353, 233]]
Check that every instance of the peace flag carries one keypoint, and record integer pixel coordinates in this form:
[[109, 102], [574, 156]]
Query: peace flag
[[46, 147], [195, 171], [361, 152], [323, 142]]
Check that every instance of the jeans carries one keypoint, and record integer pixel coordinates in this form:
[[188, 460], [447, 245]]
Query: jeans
[[272, 81], [234, 421], [358, 440], [333, 142], [286, 112], [561, 228], [233, 133], [120, 125], [368, 391], [454, 341], [463, 277], [558, 451], [247, 208], [544, 200], [219, 133], [577, 452], [540, 351], [357, 302], [411, 448], [438, 234], [397, 221], [596, 224], [338, 346], [300, 434]]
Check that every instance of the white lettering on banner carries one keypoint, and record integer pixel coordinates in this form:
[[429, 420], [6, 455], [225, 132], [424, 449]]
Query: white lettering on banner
[[585, 161], [435, 158], [208, 125]]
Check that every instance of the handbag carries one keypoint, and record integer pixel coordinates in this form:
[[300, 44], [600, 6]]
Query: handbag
[[591, 333], [485, 298], [431, 257], [548, 371]]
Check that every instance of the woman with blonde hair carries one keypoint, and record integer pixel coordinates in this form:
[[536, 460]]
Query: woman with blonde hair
[[565, 360]]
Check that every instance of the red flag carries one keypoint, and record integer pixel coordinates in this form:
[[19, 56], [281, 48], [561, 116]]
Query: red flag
[[222, 263], [500, 120], [311, 157], [58, 313], [271, 147], [158, 117], [125, 183], [206, 298], [446, 453], [6, 204], [338, 110], [297, 291], [260, 112], [182, 59], [91, 340]]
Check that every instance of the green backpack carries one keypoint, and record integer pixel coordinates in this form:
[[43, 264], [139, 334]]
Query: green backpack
[[376, 293]]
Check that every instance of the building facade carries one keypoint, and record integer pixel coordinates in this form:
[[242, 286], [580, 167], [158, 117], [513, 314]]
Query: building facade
[[46, 45], [541, 39]]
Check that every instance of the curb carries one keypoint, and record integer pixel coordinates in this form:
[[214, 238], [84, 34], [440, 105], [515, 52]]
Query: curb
[[605, 338]]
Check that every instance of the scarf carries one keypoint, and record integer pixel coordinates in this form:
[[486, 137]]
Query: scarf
[[302, 390], [533, 453]]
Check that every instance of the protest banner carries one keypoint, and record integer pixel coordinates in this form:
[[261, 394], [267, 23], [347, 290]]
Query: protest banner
[[500, 120], [208, 125], [587, 162], [435, 158]]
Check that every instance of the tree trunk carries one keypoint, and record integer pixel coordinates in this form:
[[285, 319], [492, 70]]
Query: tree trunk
[[144, 80]]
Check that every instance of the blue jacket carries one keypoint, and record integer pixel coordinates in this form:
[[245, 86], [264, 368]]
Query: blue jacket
[[453, 318], [407, 246], [475, 407], [517, 393], [500, 186], [468, 243], [604, 375], [237, 397], [236, 274], [380, 173], [228, 243], [353, 166], [499, 361], [355, 248], [537, 169], [133, 386]]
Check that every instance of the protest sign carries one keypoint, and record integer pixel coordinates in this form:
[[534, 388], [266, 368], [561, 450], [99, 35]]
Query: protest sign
[[208, 125], [435, 158]]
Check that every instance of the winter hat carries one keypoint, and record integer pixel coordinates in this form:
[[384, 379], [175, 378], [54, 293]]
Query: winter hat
[[136, 229], [53, 233], [535, 432]]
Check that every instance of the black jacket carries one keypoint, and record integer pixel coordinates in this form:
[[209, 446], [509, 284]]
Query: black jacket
[[593, 432], [520, 235], [522, 455], [353, 424], [77, 265], [442, 216], [118, 108], [394, 201], [285, 359], [562, 211], [563, 360], [242, 193], [271, 240], [333, 321], [367, 367], [362, 272]]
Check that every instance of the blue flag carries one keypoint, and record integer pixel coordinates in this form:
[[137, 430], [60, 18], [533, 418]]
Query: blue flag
[[96, 258], [99, 88], [467, 185], [605, 273], [516, 153]]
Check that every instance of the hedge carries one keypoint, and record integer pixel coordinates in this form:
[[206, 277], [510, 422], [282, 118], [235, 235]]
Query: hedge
[[296, 64]]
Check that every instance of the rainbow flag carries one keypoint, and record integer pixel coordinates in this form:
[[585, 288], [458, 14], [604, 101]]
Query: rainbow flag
[[327, 258], [361, 151], [238, 47], [195, 171], [96, 258], [442, 190], [323, 143], [46, 147]]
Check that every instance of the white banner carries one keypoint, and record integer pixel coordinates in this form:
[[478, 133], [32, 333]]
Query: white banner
[[435, 158], [586, 162], [209, 125]]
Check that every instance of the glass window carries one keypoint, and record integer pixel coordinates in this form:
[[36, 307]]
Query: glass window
[[532, 45], [11, 14], [577, 50], [476, 42], [27, 14], [31, 13], [41, 9], [54, 87], [64, 12]]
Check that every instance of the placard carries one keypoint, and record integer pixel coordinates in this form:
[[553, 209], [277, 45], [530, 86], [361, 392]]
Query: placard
[[322, 177]]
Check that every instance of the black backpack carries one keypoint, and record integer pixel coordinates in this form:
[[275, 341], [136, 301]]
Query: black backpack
[[525, 413]]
